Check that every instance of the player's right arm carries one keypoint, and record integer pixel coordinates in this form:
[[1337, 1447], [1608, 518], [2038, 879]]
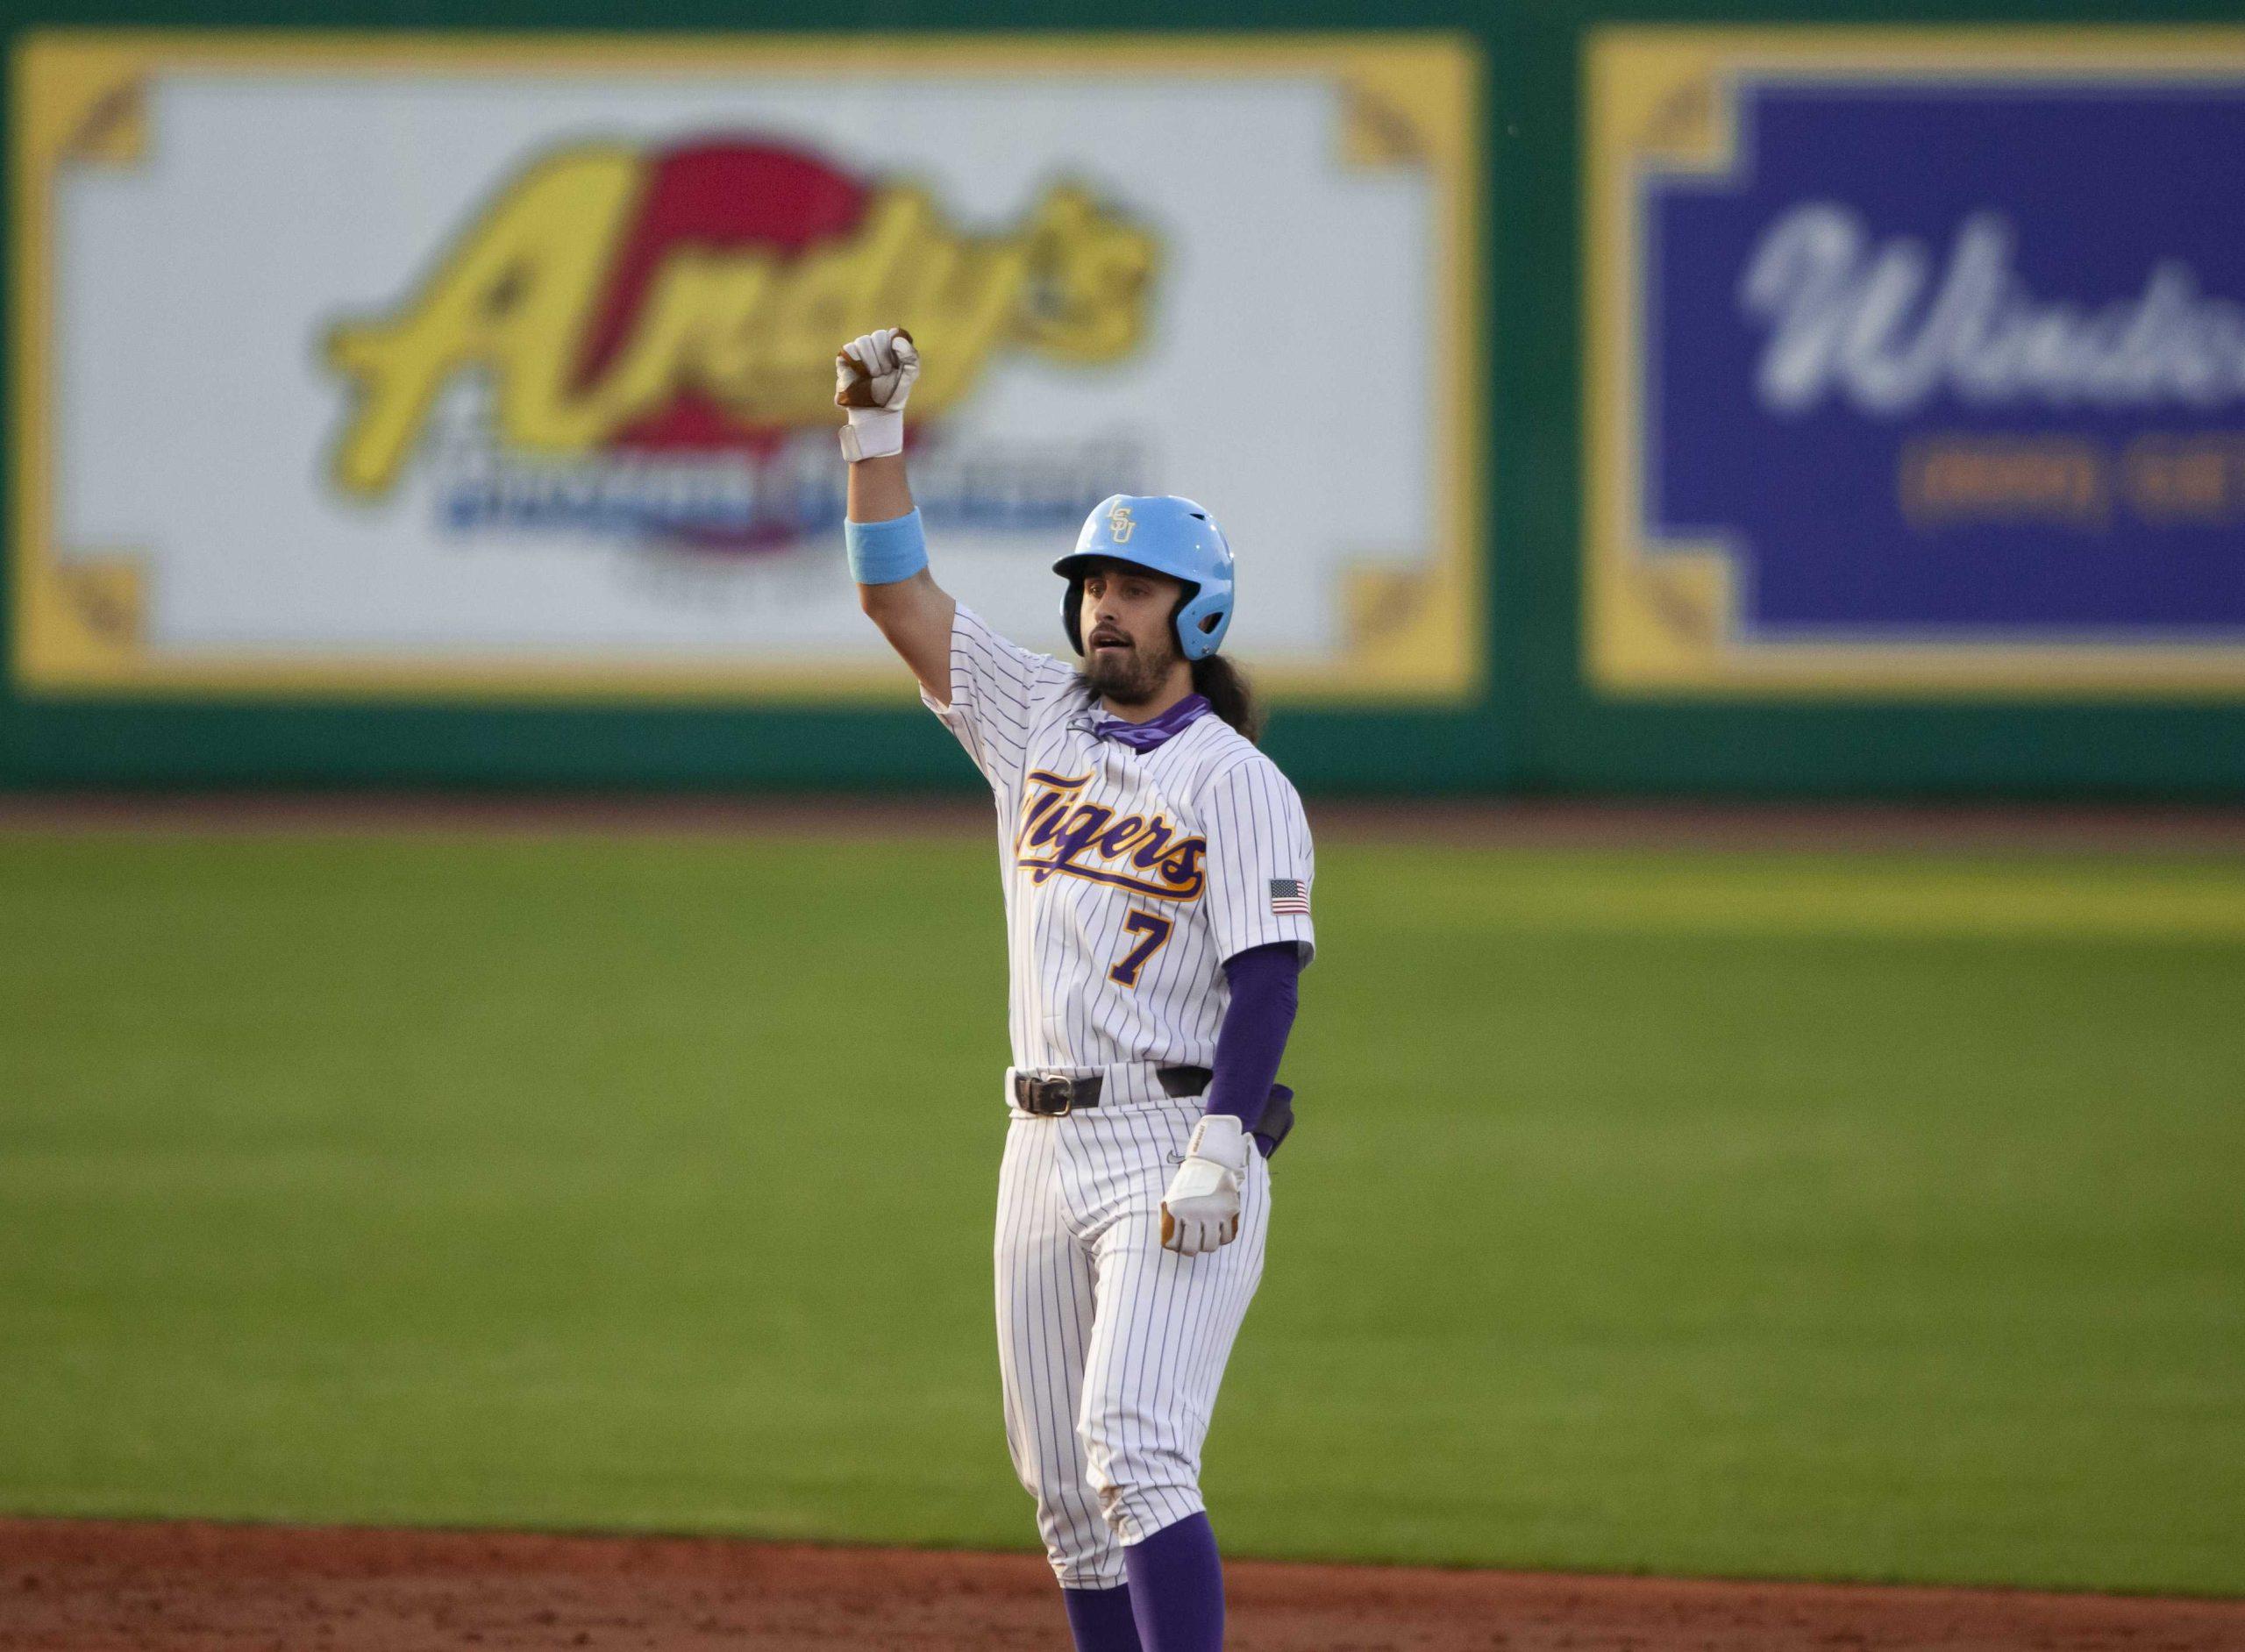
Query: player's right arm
[[984, 689], [873, 377]]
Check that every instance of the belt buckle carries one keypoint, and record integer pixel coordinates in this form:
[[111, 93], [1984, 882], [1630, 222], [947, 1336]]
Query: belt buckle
[[1047, 1087]]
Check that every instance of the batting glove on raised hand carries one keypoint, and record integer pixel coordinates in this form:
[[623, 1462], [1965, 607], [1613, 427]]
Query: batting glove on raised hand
[[1200, 1211], [873, 378]]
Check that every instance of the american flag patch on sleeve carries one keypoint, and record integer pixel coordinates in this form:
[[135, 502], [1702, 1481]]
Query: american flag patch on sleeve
[[1289, 895]]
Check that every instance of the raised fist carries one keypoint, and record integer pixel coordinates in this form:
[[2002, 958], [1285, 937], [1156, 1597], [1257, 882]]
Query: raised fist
[[876, 371], [873, 379]]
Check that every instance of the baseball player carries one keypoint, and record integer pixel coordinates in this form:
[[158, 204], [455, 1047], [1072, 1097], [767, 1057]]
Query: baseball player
[[1157, 870]]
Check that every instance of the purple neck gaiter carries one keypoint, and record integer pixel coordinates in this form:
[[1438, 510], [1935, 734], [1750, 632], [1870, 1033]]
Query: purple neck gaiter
[[1144, 737]]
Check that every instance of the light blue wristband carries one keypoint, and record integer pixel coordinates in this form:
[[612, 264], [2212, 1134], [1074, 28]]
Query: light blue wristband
[[883, 552]]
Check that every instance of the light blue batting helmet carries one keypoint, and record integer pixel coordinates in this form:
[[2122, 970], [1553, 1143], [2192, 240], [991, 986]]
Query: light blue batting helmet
[[1170, 536]]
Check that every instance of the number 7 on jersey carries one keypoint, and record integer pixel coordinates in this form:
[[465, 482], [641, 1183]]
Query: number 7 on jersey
[[1156, 930]]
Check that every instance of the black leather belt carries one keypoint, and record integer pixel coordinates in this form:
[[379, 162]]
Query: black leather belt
[[1048, 1095]]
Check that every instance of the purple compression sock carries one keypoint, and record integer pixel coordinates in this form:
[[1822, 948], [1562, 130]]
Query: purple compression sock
[[1177, 1588], [1100, 1620]]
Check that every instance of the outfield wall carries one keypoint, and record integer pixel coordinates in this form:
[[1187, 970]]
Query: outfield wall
[[1751, 404]]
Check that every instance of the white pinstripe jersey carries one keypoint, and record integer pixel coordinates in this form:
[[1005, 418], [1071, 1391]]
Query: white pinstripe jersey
[[1130, 876]]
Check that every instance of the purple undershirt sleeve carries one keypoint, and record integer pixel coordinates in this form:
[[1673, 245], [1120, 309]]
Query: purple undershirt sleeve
[[1265, 992]]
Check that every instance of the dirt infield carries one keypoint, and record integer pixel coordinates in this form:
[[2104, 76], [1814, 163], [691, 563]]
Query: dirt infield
[[104, 1586]]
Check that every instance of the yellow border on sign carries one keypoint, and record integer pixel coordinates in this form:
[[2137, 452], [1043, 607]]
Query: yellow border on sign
[[1410, 98], [1659, 618]]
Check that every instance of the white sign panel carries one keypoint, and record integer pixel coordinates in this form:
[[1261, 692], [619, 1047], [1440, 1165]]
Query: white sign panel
[[395, 366]]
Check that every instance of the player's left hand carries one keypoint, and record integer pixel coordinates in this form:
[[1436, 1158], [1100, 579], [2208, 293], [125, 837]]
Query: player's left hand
[[1200, 1211]]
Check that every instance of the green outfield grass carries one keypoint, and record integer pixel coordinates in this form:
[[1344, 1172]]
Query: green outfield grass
[[1873, 1217]]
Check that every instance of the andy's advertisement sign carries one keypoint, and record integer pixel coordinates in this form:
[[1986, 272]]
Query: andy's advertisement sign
[[1919, 374], [656, 328], [440, 367]]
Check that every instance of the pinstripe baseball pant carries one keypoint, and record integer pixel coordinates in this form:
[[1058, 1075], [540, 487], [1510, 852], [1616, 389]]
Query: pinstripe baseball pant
[[1111, 1348]]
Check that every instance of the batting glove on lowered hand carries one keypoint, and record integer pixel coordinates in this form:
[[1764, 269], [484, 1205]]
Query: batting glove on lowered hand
[[873, 378], [1200, 1211]]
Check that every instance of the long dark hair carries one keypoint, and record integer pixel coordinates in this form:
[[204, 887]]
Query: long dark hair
[[1229, 694]]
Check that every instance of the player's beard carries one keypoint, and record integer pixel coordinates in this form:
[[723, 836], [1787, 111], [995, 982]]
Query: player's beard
[[1129, 676]]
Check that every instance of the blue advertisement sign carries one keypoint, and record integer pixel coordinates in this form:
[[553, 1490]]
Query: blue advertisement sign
[[1927, 376]]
